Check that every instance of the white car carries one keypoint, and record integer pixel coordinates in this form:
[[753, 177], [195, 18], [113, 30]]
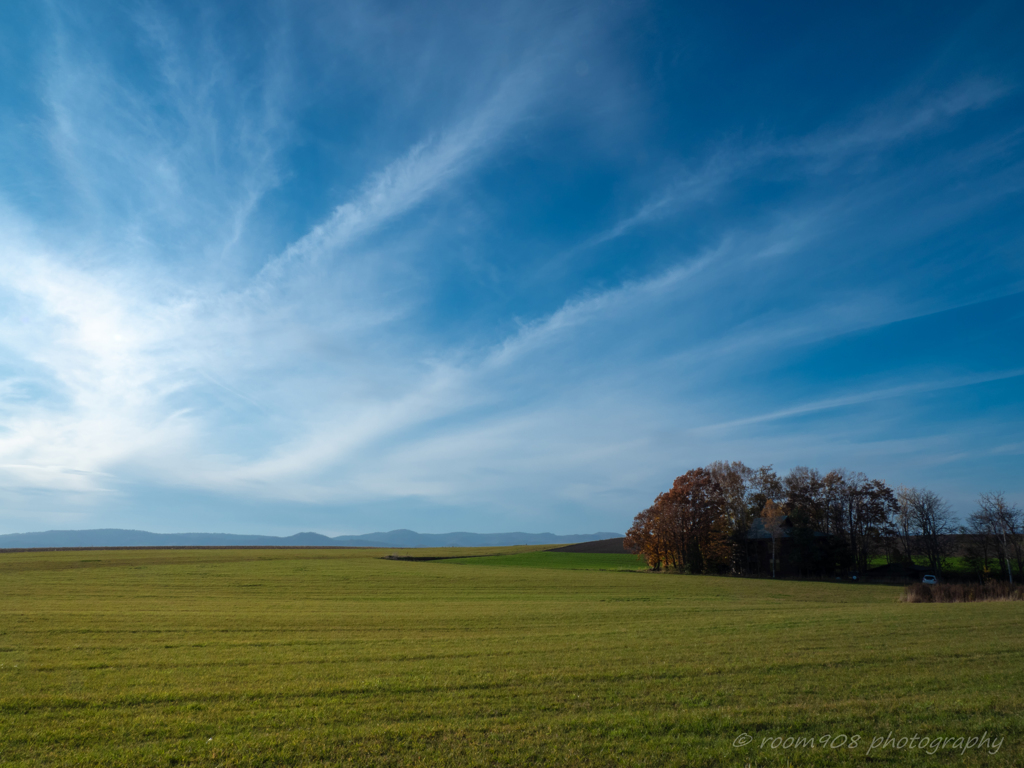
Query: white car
[[929, 579]]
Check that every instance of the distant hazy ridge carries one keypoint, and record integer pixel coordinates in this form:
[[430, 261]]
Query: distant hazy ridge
[[116, 537]]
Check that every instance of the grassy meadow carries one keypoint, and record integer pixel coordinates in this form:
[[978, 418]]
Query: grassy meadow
[[337, 657], [568, 561]]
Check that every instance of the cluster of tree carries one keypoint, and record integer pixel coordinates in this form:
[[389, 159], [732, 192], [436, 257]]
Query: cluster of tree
[[719, 518]]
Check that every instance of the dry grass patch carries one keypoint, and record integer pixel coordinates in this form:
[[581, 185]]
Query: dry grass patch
[[962, 593]]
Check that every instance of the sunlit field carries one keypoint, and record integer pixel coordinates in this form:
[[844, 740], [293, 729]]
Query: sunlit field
[[334, 657]]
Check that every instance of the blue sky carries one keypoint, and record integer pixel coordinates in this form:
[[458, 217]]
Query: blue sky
[[344, 267]]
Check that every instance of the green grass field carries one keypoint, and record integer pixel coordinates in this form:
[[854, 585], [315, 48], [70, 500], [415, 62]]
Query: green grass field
[[335, 657], [570, 561]]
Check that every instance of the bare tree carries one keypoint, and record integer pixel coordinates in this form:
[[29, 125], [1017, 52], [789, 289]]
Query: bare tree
[[765, 486], [1003, 522], [875, 507], [904, 525], [773, 517], [935, 523], [923, 519], [858, 509], [805, 495], [835, 496], [734, 480], [977, 543]]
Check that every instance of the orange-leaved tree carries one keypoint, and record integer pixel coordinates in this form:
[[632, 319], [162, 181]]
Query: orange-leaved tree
[[687, 528], [645, 537]]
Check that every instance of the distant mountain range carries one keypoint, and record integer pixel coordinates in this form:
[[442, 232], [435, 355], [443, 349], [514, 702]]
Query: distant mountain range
[[402, 538]]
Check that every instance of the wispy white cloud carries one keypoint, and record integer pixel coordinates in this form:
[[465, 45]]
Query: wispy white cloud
[[896, 122], [825, 150], [858, 398], [424, 170], [135, 354], [173, 169]]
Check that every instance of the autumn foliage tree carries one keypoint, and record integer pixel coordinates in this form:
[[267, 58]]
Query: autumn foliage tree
[[687, 528], [645, 537]]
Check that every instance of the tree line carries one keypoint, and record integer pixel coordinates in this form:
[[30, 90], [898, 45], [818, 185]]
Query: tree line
[[724, 517]]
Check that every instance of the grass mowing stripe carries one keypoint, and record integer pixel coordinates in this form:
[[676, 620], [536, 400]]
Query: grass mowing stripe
[[339, 657], [578, 561]]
